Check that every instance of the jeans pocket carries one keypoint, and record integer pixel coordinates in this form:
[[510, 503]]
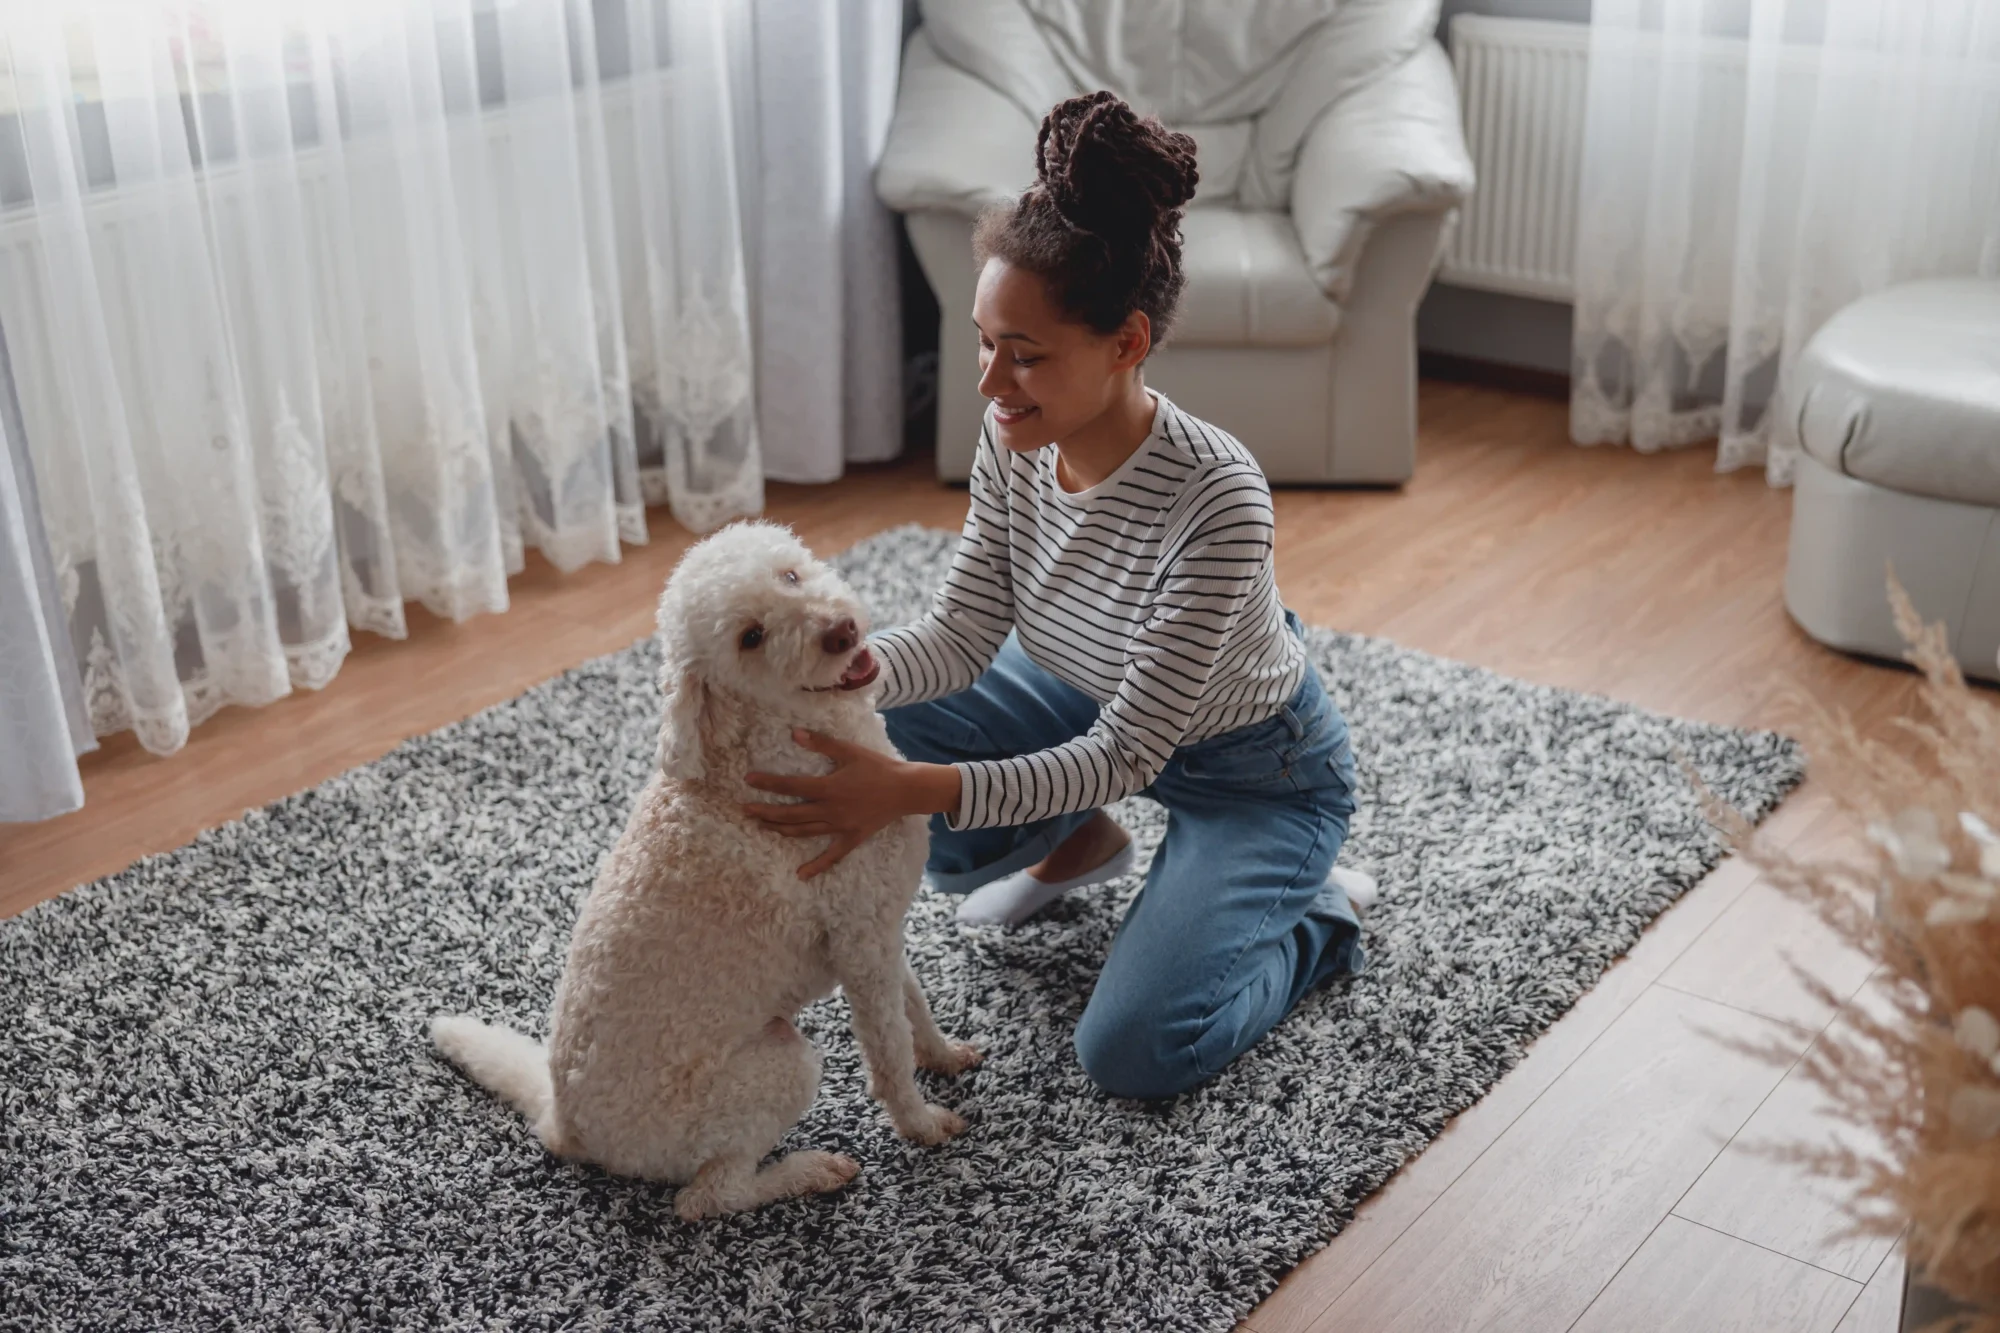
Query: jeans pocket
[[1250, 763], [1302, 748], [1336, 779], [1259, 756]]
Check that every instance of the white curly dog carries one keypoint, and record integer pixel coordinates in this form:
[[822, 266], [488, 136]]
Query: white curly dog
[[672, 1053]]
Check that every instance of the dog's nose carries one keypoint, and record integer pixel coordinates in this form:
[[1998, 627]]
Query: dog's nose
[[842, 637]]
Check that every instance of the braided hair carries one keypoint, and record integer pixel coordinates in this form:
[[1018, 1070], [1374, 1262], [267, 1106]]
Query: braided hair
[[1101, 225]]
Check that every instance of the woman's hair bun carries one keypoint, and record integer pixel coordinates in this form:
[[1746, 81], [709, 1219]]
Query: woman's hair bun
[[1102, 222], [1112, 173]]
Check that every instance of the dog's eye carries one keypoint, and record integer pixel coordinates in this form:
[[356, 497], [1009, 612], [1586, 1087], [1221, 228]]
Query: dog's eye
[[753, 637], [790, 576]]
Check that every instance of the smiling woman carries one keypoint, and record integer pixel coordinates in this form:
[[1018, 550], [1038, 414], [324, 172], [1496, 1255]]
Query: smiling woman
[[1111, 625], [1087, 283]]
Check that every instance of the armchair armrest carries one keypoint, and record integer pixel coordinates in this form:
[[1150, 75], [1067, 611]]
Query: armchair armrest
[[956, 143], [1392, 147]]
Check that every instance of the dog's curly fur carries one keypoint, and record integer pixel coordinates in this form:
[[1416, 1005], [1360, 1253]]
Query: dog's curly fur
[[672, 1053]]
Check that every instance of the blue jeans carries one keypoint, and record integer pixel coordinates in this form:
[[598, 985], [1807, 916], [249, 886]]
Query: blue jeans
[[1236, 920]]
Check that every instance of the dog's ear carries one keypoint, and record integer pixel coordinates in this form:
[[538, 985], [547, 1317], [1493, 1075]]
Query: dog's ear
[[680, 725]]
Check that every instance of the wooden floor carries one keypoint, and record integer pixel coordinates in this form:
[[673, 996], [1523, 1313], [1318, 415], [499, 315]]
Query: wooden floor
[[1610, 1183]]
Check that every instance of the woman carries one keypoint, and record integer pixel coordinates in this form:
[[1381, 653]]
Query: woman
[[1111, 625]]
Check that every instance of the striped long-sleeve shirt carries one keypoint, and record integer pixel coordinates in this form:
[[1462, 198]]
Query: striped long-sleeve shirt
[[1152, 592]]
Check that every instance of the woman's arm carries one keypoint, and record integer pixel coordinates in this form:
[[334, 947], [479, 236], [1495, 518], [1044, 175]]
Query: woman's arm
[[957, 639], [1211, 583], [1211, 577]]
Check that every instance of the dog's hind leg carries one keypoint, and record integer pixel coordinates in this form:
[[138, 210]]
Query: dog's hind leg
[[761, 1093], [935, 1051], [732, 1184]]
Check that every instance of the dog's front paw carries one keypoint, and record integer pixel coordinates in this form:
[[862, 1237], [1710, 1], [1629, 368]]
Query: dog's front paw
[[954, 1057], [931, 1125]]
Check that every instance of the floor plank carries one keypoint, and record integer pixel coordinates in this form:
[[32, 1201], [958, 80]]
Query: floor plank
[[1385, 1217], [1688, 1279], [1754, 1195], [1880, 1306], [1535, 1229], [1747, 959], [1314, 1284]]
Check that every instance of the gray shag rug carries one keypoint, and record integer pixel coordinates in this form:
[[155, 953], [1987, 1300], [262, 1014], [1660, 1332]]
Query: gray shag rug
[[218, 1107]]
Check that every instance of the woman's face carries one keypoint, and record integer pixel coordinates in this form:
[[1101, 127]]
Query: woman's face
[[1048, 376]]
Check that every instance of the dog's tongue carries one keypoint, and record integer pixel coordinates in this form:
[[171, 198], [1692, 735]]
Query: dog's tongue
[[860, 671]]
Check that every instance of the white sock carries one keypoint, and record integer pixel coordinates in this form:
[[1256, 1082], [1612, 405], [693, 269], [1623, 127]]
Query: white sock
[[1361, 889], [1012, 899]]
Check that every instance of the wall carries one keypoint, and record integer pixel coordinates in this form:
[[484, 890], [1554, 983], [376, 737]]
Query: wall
[[1489, 326]]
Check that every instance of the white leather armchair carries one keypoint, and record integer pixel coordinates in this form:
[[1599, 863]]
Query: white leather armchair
[[1332, 165]]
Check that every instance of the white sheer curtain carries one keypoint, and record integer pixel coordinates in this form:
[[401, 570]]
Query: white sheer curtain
[[1751, 166], [317, 308], [42, 723], [819, 87]]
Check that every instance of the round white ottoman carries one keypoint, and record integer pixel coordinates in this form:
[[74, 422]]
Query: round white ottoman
[[1898, 402]]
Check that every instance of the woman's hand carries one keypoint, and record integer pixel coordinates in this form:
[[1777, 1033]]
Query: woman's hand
[[866, 791]]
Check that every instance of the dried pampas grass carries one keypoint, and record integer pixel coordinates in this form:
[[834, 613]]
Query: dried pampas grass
[[1922, 895]]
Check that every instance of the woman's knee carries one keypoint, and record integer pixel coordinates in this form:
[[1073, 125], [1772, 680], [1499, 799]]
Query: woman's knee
[[1134, 1054]]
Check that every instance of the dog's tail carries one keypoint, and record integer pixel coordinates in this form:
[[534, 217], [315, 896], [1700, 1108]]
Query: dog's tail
[[506, 1062]]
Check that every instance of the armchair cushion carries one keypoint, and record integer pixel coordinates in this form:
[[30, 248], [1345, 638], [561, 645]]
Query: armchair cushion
[[1361, 41], [1206, 60], [1248, 284], [953, 86], [1003, 43], [1392, 146], [1220, 152], [956, 143]]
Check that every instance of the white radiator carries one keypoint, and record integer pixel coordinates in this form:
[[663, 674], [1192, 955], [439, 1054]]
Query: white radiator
[[1521, 84]]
